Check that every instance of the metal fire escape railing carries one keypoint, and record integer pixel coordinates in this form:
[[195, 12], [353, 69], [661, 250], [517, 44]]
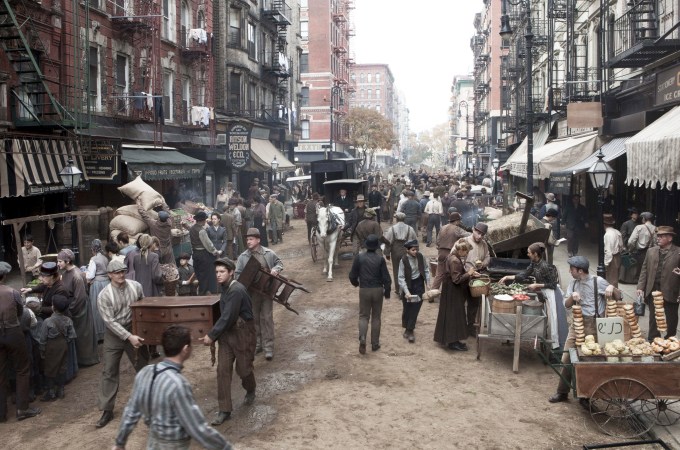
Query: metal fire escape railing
[[23, 48]]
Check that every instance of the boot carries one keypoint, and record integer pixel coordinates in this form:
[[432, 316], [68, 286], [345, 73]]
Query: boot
[[49, 396]]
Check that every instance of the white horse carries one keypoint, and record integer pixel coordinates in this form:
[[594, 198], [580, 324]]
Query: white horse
[[329, 238]]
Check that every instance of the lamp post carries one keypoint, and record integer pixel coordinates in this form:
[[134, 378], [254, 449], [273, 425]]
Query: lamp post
[[495, 164], [467, 136], [336, 93], [506, 31], [275, 165], [70, 177], [601, 175]]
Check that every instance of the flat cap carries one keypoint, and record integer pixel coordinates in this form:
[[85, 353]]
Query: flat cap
[[226, 262], [412, 243], [5, 268], [400, 216], [482, 227], [116, 266], [580, 262], [201, 215], [370, 212], [253, 232]]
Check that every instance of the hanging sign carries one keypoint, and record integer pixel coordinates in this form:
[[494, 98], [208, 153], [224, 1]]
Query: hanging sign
[[238, 146], [609, 329]]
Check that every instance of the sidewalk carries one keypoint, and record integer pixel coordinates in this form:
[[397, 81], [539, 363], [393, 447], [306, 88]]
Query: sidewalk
[[671, 434]]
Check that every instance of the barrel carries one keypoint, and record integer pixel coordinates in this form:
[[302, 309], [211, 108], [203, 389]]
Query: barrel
[[501, 304]]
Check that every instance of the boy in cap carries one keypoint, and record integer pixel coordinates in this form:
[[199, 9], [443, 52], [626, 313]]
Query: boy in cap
[[413, 279], [187, 276], [56, 334], [31, 256]]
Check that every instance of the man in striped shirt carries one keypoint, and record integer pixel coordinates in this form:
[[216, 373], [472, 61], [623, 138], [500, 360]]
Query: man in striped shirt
[[164, 397]]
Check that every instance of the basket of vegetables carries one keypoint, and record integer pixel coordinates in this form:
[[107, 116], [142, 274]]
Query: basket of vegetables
[[480, 286]]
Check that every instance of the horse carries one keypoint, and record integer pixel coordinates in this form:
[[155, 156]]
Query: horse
[[330, 221]]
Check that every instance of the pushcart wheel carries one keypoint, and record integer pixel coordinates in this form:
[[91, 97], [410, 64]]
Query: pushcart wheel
[[669, 412], [623, 407], [314, 246]]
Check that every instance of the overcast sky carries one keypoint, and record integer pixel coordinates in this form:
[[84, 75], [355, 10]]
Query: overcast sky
[[426, 43]]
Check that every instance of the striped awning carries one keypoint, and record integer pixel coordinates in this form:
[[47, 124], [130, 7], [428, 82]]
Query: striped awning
[[31, 165]]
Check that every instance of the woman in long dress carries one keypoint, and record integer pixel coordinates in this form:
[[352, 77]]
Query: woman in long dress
[[451, 328], [147, 267], [98, 278]]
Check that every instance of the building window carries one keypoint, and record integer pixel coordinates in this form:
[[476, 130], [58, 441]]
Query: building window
[[377, 77], [304, 63], [235, 27], [304, 4], [122, 81], [252, 99], [305, 129], [251, 33], [168, 29], [94, 83], [369, 78], [186, 99], [370, 92], [353, 77], [234, 104], [185, 25], [305, 96], [304, 29], [377, 94], [3, 101], [168, 106], [200, 20], [202, 81], [362, 77]]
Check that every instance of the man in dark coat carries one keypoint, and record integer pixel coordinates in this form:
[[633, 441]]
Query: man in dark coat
[[369, 272], [411, 210], [575, 218], [356, 215], [344, 202], [235, 333], [375, 199], [365, 228], [161, 229]]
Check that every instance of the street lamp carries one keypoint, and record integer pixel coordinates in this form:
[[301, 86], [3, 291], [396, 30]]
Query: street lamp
[[601, 175], [336, 93], [467, 135], [70, 177], [495, 164], [275, 165], [506, 32]]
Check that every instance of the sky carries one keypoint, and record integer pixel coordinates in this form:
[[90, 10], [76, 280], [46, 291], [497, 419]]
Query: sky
[[425, 43]]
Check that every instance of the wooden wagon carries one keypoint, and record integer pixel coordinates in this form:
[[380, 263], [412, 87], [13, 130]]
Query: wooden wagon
[[626, 399]]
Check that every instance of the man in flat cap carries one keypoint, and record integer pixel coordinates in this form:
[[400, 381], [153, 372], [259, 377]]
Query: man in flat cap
[[263, 312], [369, 272], [276, 216], [394, 238], [13, 351], [366, 227], [581, 291], [449, 235], [235, 334], [161, 229], [641, 240], [204, 254], [659, 273], [114, 307]]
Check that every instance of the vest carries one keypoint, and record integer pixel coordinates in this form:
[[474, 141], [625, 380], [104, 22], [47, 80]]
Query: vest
[[8, 309], [193, 237], [407, 269]]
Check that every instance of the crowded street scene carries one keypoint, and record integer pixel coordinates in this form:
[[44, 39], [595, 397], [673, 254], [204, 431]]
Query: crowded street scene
[[291, 224]]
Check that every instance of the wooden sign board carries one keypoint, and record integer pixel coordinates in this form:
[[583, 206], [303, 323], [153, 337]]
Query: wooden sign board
[[609, 329], [584, 115]]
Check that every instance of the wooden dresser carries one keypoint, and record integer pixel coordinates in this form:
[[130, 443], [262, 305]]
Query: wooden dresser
[[152, 315]]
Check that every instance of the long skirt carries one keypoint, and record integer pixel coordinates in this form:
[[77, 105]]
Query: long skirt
[[99, 328], [56, 357], [86, 340], [451, 325]]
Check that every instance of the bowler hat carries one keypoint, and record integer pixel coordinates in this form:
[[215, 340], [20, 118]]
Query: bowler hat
[[412, 243], [201, 215], [116, 266], [663, 229], [482, 227], [608, 219], [454, 216], [49, 268], [372, 242], [580, 262], [226, 262], [253, 232]]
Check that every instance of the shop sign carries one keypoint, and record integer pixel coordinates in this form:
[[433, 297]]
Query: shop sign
[[668, 86], [102, 162], [238, 146], [609, 329], [560, 183]]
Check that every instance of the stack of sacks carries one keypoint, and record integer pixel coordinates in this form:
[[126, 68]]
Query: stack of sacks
[[127, 217]]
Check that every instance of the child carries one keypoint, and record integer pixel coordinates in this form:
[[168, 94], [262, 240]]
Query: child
[[56, 334], [187, 277]]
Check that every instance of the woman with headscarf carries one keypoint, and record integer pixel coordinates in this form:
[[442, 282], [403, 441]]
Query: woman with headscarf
[[79, 310], [98, 278], [147, 268], [545, 281], [451, 328]]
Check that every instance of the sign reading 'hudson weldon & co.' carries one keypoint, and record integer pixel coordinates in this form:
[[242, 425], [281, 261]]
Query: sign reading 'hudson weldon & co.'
[[238, 146], [668, 86]]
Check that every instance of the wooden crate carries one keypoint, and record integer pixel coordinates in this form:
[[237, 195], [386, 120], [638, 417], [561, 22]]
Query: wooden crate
[[503, 325], [152, 315]]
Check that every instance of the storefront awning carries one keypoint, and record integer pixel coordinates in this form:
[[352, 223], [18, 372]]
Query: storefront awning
[[263, 152], [31, 166], [557, 155], [654, 153], [519, 156], [164, 163], [560, 182], [308, 157]]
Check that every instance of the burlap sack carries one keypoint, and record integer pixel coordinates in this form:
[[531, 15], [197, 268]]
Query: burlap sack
[[131, 210], [139, 189], [131, 225]]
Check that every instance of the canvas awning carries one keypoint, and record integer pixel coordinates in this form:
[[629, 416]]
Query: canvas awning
[[263, 152], [519, 156], [164, 163], [557, 155], [31, 166], [653, 155], [560, 182]]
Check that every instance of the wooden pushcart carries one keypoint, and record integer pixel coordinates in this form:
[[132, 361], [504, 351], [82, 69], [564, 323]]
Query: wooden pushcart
[[626, 399]]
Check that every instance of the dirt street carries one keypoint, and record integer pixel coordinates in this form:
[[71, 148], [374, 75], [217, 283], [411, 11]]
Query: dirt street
[[319, 392]]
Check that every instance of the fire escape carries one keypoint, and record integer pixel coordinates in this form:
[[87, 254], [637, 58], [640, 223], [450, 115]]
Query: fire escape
[[278, 14], [34, 102]]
